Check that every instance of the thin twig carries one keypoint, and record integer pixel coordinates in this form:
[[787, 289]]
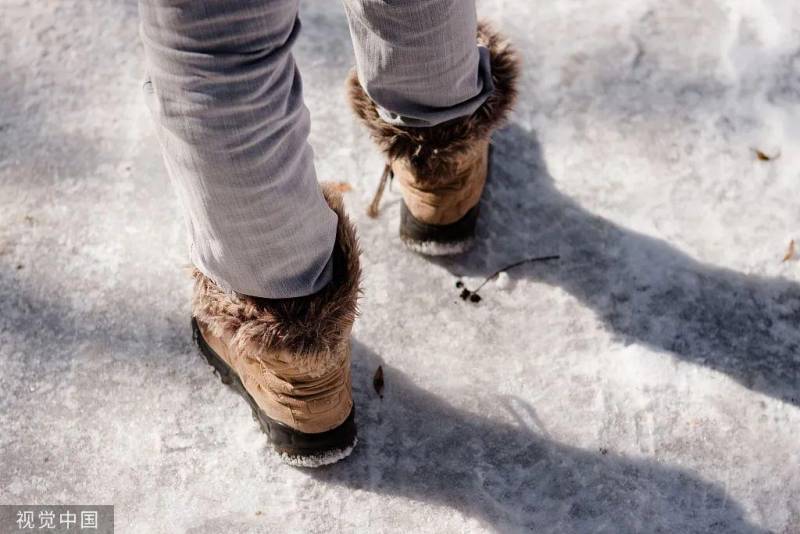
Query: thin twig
[[515, 264], [473, 295]]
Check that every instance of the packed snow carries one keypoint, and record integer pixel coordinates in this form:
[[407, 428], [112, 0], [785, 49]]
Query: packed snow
[[646, 381]]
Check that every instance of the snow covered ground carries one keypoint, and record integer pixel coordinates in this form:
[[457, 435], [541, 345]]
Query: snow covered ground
[[648, 381]]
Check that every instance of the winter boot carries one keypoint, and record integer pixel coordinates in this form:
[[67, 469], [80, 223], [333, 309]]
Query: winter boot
[[442, 169], [290, 358]]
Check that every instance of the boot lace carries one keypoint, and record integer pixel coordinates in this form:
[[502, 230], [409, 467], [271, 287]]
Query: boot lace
[[387, 176]]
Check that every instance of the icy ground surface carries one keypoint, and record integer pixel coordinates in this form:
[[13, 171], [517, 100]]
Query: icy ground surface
[[649, 381]]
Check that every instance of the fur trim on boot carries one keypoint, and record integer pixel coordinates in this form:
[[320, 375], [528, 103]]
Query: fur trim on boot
[[309, 332], [433, 151]]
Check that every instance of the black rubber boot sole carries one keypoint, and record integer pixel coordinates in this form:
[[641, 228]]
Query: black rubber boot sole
[[438, 239], [295, 448]]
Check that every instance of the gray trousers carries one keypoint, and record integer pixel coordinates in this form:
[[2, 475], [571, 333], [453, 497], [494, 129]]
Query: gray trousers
[[227, 101]]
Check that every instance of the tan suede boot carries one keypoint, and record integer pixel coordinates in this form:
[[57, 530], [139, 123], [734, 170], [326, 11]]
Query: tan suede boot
[[442, 169], [290, 358]]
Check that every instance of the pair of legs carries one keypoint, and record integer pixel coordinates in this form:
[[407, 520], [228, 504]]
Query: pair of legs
[[277, 262], [227, 100]]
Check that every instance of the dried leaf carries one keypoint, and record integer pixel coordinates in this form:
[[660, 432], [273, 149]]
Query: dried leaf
[[790, 252], [342, 187], [377, 381], [764, 157]]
